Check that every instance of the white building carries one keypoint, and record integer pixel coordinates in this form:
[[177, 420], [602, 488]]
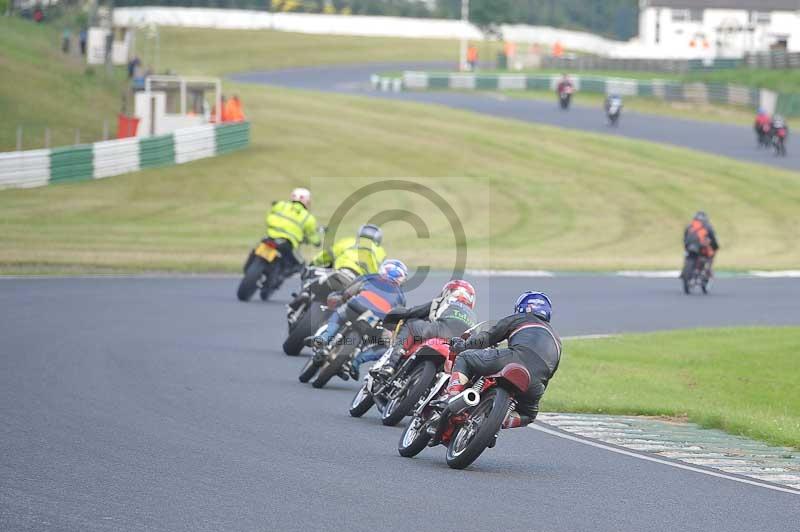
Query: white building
[[719, 28]]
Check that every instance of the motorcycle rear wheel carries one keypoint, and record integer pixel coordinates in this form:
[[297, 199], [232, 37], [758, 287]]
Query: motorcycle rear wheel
[[414, 438], [472, 438], [249, 284], [362, 402], [307, 325], [419, 382]]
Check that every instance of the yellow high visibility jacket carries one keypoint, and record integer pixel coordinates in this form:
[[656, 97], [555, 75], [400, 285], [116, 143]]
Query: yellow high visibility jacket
[[362, 256], [292, 221]]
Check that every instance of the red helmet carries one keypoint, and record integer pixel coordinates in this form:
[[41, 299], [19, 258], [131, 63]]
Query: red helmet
[[459, 290]]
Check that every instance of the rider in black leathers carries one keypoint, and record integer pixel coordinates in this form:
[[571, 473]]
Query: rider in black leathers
[[532, 342]]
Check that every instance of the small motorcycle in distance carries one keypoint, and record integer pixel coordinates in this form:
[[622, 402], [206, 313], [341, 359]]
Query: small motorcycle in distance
[[469, 423], [262, 270], [613, 110], [779, 141], [397, 395], [565, 97], [696, 272], [763, 135]]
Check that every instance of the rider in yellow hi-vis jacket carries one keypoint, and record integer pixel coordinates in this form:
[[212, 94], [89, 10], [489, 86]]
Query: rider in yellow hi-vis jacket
[[361, 254], [291, 222]]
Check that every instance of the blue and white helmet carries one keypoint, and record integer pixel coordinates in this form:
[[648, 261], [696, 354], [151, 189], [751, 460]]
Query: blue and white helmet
[[394, 270], [536, 303]]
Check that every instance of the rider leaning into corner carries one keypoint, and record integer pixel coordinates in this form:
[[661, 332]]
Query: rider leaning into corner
[[449, 314], [699, 239], [532, 342], [378, 293], [291, 223]]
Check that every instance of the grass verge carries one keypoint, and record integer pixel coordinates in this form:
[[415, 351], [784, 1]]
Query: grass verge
[[42, 88], [528, 198], [742, 380]]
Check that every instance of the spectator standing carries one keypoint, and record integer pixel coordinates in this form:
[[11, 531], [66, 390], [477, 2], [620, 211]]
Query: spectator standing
[[133, 64], [233, 110], [472, 57], [82, 36], [66, 36]]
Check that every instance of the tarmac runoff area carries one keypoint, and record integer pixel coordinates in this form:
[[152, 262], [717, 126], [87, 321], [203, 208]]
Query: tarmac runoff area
[[162, 403]]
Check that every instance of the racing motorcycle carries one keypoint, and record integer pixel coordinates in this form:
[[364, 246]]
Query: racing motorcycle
[[262, 270], [764, 135], [696, 274], [307, 311], [614, 111], [397, 395], [565, 97], [352, 338], [779, 141], [469, 423]]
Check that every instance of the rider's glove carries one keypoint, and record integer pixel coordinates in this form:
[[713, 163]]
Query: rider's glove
[[457, 344]]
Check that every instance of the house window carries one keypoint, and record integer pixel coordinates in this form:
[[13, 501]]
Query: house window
[[687, 15], [763, 18]]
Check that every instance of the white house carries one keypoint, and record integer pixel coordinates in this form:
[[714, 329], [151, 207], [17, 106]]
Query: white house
[[719, 28]]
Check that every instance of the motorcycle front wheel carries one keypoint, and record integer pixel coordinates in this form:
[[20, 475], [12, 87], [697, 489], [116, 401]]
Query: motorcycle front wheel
[[309, 370], [249, 284], [480, 429], [414, 438], [418, 383], [362, 402], [339, 355]]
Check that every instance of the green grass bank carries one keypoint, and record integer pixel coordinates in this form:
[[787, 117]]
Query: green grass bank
[[743, 381]]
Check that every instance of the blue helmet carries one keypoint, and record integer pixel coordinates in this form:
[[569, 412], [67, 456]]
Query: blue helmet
[[394, 270], [536, 303]]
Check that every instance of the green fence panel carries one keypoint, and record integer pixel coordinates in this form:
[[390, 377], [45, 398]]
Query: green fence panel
[[156, 151], [644, 88], [788, 105], [718, 93], [537, 83], [597, 85], [438, 81], [486, 83], [230, 137], [74, 163], [673, 92]]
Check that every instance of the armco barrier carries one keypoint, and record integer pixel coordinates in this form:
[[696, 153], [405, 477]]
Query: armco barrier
[[37, 168], [656, 88], [25, 169]]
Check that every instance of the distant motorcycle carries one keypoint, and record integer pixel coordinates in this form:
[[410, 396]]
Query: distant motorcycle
[[262, 270], [352, 338], [397, 395], [763, 135], [469, 423], [779, 141], [565, 97], [613, 111], [696, 272]]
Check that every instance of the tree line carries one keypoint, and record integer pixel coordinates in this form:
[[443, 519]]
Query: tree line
[[612, 18]]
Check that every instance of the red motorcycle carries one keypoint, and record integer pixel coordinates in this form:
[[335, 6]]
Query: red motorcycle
[[397, 395], [779, 141], [469, 423]]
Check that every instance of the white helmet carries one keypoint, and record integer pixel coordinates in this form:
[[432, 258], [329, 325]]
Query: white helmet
[[303, 195]]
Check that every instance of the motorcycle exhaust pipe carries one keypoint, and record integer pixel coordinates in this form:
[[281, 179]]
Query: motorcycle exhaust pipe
[[466, 399]]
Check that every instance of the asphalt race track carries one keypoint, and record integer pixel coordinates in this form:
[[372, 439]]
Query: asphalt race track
[[733, 141], [164, 404]]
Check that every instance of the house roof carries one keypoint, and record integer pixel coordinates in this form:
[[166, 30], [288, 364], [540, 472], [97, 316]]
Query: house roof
[[754, 5]]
